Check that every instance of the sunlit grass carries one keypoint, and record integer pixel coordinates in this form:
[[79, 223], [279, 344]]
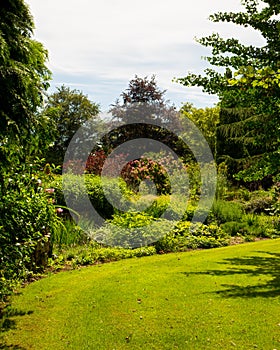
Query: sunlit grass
[[222, 298]]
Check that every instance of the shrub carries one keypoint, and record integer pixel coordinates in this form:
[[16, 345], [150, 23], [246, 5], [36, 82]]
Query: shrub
[[261, 226], [234, 228], [131, 229], [27, 221], [96, 161], [259, 205], [237, 194], [223, 211], [162, 206], [192, 236], [140, 169], [73, 187], [176, 209]]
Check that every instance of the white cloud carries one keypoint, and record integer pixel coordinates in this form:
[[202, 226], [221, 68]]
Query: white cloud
[[99, 46]]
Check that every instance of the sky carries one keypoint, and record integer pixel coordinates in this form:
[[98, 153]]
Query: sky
[[97, 47]]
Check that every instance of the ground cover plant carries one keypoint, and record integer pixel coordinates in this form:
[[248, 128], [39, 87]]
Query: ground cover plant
[[230, 220], [224, 298]]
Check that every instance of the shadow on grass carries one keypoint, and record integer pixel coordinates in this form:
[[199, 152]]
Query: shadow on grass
[[13, 347], [7, 323], [251, 266]]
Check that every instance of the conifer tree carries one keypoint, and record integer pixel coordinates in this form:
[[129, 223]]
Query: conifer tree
[[248, 135]]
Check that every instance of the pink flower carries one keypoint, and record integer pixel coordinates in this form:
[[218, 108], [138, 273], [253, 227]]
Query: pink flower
[[59, 210], [49, 190]]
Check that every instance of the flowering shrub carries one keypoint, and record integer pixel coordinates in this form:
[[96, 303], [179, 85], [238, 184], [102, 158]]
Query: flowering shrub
[[95, 162], [27, 220], [146, 169], [151, 168]]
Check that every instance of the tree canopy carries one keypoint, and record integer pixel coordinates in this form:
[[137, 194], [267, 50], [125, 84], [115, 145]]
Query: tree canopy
[[146, 112], [27, 216], [24, 78], [248, 136], [206, 119], [68, 110]]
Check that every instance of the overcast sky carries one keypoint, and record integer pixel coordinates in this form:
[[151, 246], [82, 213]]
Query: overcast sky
[[98, 46]]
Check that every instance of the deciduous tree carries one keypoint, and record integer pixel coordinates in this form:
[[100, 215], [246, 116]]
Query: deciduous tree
[[248, 135], [146, 114], [68, 109]]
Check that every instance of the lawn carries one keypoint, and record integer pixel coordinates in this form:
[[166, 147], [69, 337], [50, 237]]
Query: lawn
[[223, 298]]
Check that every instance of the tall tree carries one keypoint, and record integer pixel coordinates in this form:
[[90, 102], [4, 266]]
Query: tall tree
[[248, 138], [24, 78], [27, 217], [206, 119], [68, 110], [142, 106], [142, 91]]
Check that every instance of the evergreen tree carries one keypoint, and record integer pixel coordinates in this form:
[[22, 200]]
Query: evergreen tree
[[248, 136], [24, 78]]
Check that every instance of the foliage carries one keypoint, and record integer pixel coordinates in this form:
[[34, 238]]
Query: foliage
[[95, 162], [27, 217], [188, 236], [71, 185], [156, 167], [262, 86], [131, 229], [145, 91], [68, 110], [69, 234], [259, 205], [231, 53], [275, 208], [142, 169], [223, 211], [74, 255], [206, 119], [248, 136], [27, 221], [23, 79], [252, 226], [145, 114]]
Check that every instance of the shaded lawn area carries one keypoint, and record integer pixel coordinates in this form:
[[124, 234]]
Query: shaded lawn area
[[223, 298], [264, 263]]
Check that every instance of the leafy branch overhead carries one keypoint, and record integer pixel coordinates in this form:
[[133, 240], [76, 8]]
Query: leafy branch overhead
[[246, 79]]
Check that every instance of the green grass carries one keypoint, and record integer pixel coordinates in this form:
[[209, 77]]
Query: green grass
[[224, 298]]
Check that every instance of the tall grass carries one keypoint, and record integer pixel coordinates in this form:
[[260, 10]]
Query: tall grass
[[69, 234], [223, 211]]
